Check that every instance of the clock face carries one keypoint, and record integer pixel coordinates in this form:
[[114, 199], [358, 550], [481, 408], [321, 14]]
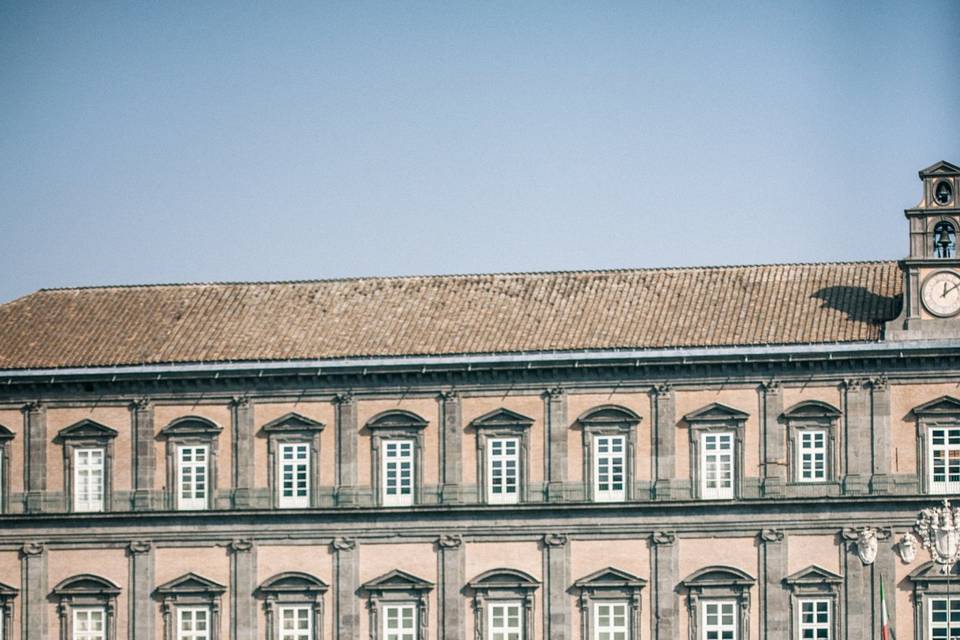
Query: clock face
[[941, 293]]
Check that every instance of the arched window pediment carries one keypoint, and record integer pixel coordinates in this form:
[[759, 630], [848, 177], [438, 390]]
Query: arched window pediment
[[718, 576], [811, 409], [609, 415], [293, 582], [504, 579], [397, 419], [191, 426], [86, 584]]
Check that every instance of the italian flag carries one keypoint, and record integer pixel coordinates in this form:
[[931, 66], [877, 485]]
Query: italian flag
[[886, 633]]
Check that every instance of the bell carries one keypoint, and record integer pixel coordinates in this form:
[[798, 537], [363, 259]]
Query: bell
[[943, 242], [943, 193]]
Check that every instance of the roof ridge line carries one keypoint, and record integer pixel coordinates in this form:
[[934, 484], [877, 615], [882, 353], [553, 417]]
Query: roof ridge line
[[444, 276]]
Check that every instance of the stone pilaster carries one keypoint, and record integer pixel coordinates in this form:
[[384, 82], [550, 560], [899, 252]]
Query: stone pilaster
[[556, 575], [451, 447], [774, 440], [243, 583], [35, 456], [774, 599], [346, 449], [857, 436], [33, 576], [144, 454], [885, 568], [452, 566], [346, 576], [243, 443], [555, 401], [142, 563], [856, 591], [666, 566], [882, 480], [664, 441]]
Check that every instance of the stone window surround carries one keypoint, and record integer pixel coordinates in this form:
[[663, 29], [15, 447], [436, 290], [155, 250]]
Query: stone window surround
[[812, 415], [396, 424], [292, 588], [718, 583], [86, 591], [609, 585], [5, 437], [928, 582], [716, 418], [292, 428], [609, 420], [502, 585], [818, 583], [503, 423], [397, 587], [190, 430], [7, 596], [941, 412], [189, 590], [87, 434]]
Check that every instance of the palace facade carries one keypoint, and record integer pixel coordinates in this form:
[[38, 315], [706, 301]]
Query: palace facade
[[728, 453]]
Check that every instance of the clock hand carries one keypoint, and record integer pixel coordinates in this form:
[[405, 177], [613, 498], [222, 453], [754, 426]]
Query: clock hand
[[946, 291]]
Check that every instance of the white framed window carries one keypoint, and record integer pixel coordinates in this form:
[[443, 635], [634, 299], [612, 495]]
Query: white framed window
[[89, 623], [944, 463], [812, 455], [295, 622], [503, 470], [193, 623], [944, 621], [399, 622], [719, 620], [609, 477], [294, 472], [192, 476], [397, 472], [717, 463], [611, 621], [505, 621], [88, 479], [815, 622]]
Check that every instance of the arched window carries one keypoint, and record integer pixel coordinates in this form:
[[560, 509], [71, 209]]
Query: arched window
[[944, 240]]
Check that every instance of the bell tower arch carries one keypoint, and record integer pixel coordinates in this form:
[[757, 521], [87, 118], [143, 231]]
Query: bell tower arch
[[931, 272]]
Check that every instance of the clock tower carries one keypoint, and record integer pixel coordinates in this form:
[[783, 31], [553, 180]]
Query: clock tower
[[931, 287]]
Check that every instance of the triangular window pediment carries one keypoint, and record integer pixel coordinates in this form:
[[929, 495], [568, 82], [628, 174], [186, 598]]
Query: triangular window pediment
[[191, 583], [716, 412], [397, 419], [502, 418], [942, 168], [811, 409], [610, 577], [86, 584], [191, 426], [813, 575], [609, 415], [86, 429], [942, 406], [6, 434], [932, 573], [398, 580], [292, 422], [6, 591]]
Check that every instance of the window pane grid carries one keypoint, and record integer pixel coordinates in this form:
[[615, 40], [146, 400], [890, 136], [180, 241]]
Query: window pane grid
[[610, 463], [812, 454], [945, 459], [294, 470], [193, 623], [400, 622], [717, 463], [295, 623], [397, 472], [89, 624], [503, 470], [719, 620], [944, 618], [610, 621], [505, 621], [815, 620], [192, 477], [88, 479]]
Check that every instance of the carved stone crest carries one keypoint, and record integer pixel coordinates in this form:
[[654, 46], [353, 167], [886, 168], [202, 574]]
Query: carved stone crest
[[867, 540], [939, 531], [907, 548], [343, 544]]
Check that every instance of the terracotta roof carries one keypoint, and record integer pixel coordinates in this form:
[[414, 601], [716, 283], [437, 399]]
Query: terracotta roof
[[501, 313]]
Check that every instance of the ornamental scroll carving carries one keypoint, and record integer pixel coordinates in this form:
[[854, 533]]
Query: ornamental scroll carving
[[343, 544]]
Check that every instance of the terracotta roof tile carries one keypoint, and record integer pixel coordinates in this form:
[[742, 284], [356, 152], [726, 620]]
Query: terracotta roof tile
[[500, 313]]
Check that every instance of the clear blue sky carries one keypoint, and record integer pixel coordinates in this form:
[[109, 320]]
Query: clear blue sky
[[148, 142]]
